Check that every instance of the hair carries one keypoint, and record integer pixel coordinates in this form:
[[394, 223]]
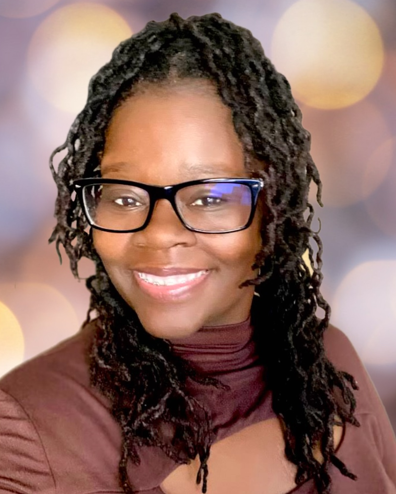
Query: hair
[[140, 375]]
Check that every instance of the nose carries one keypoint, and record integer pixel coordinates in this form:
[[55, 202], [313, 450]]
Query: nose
[[165, 230]]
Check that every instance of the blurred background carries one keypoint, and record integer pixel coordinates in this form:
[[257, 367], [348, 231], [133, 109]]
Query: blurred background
[[340, 58]]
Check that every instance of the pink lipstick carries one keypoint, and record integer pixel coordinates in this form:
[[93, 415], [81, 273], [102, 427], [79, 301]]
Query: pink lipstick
[[169, 284]]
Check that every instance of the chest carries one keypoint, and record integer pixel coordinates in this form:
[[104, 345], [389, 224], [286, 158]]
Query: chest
[[251, 461]]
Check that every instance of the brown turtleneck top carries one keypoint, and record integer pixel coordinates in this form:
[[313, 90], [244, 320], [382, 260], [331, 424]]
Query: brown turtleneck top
[[57, 435]]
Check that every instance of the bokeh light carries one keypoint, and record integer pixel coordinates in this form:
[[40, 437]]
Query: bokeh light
[[363, 309], [40, 264], [28, 193], [380, 348], [377, 166], [45, 315], [11, 340], [69, 47], [393, 295], [390, 69], [351, 149], [25, 8], [381, 206], [331, 52]]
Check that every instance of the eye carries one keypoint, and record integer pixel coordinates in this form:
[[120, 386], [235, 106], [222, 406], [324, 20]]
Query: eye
[[127, 202], [208, 201], [122, 198]]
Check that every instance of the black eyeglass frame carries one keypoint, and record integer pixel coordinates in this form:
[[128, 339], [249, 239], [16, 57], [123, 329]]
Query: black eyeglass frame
[[168, 192]]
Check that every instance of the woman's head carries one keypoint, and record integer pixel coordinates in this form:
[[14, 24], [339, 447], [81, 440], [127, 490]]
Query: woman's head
[[208, 56], [188, 100], [178, 280]]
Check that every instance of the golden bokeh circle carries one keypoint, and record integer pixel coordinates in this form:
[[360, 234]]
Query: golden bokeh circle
[[363, 308], [381, 205], [12, 344], [377, 167], [331, 52], [44, 313], [380, 348], [25, 8], [352, 150], [69, 47]]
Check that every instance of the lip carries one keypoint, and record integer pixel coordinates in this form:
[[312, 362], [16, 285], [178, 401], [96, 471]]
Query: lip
[[170, 293], [168, 271]]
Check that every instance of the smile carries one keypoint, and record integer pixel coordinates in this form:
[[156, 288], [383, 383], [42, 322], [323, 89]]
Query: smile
[[170, 280], [169, 287]]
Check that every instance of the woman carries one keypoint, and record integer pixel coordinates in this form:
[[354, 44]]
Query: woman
[[203, 365]]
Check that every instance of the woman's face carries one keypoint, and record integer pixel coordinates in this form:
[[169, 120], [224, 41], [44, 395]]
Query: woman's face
[[163, 137]]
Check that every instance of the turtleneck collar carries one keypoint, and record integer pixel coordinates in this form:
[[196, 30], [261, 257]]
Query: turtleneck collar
[[219, 349], [229, 354]]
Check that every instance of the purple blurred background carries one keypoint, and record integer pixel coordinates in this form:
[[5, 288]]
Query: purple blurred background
[[340, 58]]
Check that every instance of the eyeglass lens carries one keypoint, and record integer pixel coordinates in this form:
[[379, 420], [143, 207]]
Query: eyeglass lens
[[216, 207]]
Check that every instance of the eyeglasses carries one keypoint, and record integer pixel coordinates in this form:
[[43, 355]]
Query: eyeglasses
[[214, 205]]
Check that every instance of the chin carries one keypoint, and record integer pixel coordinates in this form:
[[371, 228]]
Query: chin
[[169, 329], [170, 332]]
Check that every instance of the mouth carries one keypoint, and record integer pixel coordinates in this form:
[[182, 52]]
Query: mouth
[[170, 287]]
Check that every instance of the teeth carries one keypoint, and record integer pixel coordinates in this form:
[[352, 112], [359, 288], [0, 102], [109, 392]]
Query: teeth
[[170, 280]]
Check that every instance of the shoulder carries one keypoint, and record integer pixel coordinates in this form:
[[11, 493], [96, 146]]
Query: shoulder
[[55, 425], [376, 431], [33, 401], [56, 377], [23, 460], [369, 407], [339, 348], [342, 354], [337, 344]]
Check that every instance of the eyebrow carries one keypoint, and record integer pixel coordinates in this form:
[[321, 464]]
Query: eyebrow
[[113, 167], [190, 168], [204, 168]]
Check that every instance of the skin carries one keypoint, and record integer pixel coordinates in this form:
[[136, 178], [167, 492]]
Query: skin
[[168, 135]]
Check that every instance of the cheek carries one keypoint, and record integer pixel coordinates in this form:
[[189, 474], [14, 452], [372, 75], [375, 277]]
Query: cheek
[[111, 247], [236, 251]]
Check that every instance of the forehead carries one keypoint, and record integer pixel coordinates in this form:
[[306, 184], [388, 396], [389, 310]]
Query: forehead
[[170, 134]]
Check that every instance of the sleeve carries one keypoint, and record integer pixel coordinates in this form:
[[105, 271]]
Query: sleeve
[[24, 468], [369, 451]]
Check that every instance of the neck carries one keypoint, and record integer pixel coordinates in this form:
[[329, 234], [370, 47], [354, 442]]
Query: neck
[[219, 349]]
